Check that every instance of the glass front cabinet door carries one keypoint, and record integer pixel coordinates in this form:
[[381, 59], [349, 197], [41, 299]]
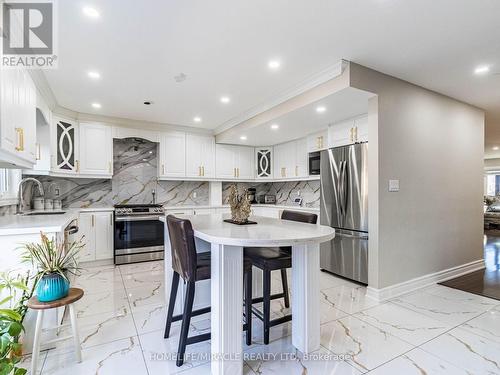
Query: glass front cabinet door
[[66, 159], [263, 162]]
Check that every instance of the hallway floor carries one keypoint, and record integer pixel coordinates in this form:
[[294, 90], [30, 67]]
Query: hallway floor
[[437, 330]]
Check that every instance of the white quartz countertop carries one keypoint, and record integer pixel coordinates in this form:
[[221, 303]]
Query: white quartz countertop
[[279, 206], [20, 224], [267, 231], [51, 223]]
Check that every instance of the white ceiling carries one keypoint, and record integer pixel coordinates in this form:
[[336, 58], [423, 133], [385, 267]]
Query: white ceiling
[[223, 47], [345, 104]]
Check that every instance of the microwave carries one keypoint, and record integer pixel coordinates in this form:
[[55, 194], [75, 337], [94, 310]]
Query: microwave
[[314, 163]]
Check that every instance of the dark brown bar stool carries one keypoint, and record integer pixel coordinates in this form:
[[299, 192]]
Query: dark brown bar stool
[[193, 267], [270, 259]]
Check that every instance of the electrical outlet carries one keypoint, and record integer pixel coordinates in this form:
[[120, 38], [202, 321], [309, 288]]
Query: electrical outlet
[[393, 186]]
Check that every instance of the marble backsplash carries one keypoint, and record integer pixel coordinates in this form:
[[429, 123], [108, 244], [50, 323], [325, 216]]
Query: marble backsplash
[[134, 179], [285, 192]]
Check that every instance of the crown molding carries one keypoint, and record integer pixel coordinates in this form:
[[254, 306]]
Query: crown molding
[[43, 87], [127, 123], [309, 83]]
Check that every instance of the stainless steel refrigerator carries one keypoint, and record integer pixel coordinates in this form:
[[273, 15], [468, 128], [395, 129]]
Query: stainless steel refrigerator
[[344, 206]]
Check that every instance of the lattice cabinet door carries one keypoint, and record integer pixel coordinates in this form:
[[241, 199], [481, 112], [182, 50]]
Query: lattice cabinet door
[[263, 162], [66, 147]]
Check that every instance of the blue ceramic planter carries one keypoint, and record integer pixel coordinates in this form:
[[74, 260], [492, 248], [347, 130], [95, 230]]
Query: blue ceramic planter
[[52, 287]]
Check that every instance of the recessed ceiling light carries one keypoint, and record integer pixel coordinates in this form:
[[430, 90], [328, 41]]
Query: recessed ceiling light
[[483, 69], [91, 12], [274, 64], [225, 99], [275, 126], [243, 137], [495, 148], [94, 75], [197, 119], [320, 109], [96, 105]]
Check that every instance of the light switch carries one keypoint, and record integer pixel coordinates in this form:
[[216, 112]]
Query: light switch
[[393, 185]]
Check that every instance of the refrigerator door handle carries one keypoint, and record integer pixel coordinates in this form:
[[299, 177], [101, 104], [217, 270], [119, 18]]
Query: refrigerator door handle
[[342, 188], [358, 237]]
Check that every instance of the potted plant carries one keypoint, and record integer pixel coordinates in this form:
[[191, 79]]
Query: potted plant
[[12, 312], [54, 263]]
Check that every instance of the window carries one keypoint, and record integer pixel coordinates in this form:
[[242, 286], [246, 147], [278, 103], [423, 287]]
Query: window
[[9, 182], [492, 185]]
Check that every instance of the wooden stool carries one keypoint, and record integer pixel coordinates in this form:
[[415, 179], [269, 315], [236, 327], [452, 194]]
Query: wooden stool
[[74, 295]]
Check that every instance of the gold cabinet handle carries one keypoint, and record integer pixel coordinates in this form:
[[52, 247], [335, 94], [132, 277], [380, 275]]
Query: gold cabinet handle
[[321, 142], [203, 171], [38, 151], [77, 165], [234, 172], [238, 174], [356, 134], [199, 171], [92, 219], [296, 171], [352, 134], [20, 139], [111, 219], [317, 142], [163, 169]]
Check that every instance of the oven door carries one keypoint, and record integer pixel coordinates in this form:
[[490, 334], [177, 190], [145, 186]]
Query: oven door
[[138, 235]]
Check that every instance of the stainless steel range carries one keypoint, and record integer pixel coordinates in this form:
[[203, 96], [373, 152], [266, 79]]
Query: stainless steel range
[[138, 233]]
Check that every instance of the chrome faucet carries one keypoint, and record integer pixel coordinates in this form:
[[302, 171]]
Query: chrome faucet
[[20, 206]]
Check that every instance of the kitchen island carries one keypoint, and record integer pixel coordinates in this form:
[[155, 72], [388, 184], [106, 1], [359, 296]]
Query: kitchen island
[[226, 242]]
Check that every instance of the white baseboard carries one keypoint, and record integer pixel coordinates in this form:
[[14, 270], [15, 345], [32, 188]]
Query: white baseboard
[[423, 281]]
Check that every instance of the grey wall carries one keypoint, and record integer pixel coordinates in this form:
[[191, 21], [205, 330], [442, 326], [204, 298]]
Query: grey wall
[[435, 146]]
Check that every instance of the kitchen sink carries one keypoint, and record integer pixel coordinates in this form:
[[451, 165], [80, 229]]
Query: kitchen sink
[[40, 213]]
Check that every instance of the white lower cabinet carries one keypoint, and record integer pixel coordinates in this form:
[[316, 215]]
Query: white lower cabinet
[[97, 229]]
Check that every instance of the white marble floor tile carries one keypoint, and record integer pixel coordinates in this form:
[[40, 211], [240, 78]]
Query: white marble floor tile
[[486, 325], [468, 351], [103, 302], [450, 294], [118, 357], [349, 299], [437, 307], [150, 318], [100, 329], [154, 295], [327, 281], [25, 363], [280, 357], [148, 279], [418, 362], [95, 281], [141, 267], [367, 346], [160, 354], [408, 325], [329, 313], [206, 369], [276, 332]]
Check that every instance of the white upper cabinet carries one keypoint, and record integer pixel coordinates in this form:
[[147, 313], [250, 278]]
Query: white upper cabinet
[[301, 158], [291, 159], [225, 161], [317, 141], [96, 149], [246, 168], [350, 131], [65, 146], [200, 156], [234, 162], [172, 154], [17, 119]]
